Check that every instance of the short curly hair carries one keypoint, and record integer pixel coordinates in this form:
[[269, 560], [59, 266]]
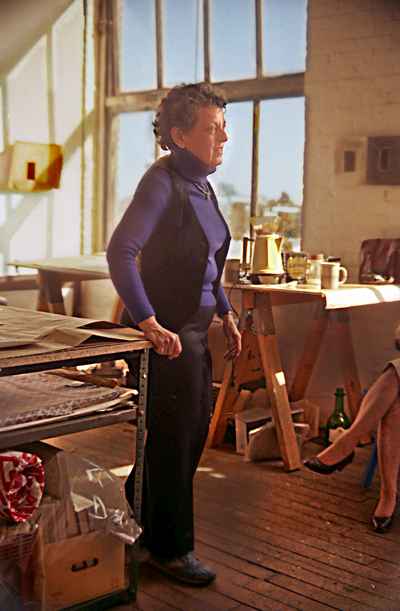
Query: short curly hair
[[179, 109]]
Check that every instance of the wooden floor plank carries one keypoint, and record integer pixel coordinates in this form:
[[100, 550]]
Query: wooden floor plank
[[340, 543], [374, 582], [290, 565], [277, 540], [262, 586], [145, 602], [184, 597]]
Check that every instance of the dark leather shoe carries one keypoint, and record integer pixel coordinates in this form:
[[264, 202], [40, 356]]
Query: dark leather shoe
[[315, 464], [187, 569], [381, 524]]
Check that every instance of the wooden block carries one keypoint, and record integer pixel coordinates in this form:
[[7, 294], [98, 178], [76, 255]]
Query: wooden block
[[48, 511], [71, 519], [59, 520], [254, 417], [247, 420], [263, 442], [311, 415], [83, 521]]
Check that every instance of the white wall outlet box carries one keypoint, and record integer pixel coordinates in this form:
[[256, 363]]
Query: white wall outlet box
[[351, 161]]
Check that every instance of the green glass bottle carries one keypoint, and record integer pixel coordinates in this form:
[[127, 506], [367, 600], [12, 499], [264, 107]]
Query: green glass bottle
[[338, 421]]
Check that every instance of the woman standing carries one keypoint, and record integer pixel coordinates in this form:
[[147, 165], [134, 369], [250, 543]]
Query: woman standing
[[174, 223]]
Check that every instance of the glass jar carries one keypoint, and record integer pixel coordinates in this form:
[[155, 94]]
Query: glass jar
[[314, 270], [296, 266]]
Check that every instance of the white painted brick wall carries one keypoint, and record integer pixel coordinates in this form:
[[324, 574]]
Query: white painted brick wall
[[353, 91]]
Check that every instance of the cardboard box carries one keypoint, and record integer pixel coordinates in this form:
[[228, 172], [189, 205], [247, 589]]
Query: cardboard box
[[79, 569]]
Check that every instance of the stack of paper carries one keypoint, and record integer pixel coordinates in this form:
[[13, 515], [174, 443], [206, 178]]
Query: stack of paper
[[29, 399]]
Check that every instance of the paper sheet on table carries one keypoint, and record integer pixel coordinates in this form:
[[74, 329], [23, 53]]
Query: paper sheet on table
[[26, 332]]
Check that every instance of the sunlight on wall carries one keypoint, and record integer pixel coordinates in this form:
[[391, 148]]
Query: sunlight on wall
[[66, 210], [67, 51], [28, 241], [2, 143], [28, 81], [3, 214], [43, 98]]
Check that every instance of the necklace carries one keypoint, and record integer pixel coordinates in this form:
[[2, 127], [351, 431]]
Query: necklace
[[205, 190]]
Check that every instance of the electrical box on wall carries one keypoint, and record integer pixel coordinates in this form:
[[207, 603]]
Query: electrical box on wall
[[30, 166], [383, 160], [350, 161]]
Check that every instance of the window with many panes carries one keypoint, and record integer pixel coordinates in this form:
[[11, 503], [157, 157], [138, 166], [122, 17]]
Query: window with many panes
[[254, 50]]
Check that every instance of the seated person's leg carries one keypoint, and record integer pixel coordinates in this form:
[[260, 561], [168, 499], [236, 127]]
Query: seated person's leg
[[378, 401], [389, 459]]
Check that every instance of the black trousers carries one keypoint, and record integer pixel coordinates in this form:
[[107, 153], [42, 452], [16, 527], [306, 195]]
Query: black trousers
[[180, 404]]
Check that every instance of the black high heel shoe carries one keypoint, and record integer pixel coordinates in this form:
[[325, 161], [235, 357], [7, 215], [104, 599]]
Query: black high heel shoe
[[315, 464], [381, 524]]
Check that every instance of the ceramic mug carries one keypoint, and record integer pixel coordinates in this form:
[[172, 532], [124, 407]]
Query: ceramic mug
[[333, 275]]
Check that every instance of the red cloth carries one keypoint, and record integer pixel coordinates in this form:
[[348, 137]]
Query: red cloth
[[21, 485]]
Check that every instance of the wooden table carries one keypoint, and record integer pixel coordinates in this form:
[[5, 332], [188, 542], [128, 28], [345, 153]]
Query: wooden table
[[260, 355], [55, 272]]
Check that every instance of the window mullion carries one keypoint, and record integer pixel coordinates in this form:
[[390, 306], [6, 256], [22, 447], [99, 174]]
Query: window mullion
[[102, 127], [112, 148], [259, 38], [115, 38], [159, 43], [273, 87], [206, 37], [254, 161]]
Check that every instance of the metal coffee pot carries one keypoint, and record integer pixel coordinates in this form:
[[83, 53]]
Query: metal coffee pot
[[267, 254]]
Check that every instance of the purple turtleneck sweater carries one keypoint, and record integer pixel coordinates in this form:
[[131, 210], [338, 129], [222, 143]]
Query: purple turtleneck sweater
[[140, 219]]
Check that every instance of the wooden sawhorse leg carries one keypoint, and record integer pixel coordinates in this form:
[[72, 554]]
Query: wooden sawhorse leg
[[77, 298], [259, 359], [246, 369], [51, 285], [42, 303], [276, 383]]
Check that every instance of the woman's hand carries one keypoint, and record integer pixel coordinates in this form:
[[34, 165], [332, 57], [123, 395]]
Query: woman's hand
[[165, 342], [233, 336]]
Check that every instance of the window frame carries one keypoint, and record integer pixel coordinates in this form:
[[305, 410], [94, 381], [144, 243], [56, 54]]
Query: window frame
[[111, 101]]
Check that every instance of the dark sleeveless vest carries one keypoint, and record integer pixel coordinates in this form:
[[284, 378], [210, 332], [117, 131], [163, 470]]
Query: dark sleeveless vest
[[174, 259]]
